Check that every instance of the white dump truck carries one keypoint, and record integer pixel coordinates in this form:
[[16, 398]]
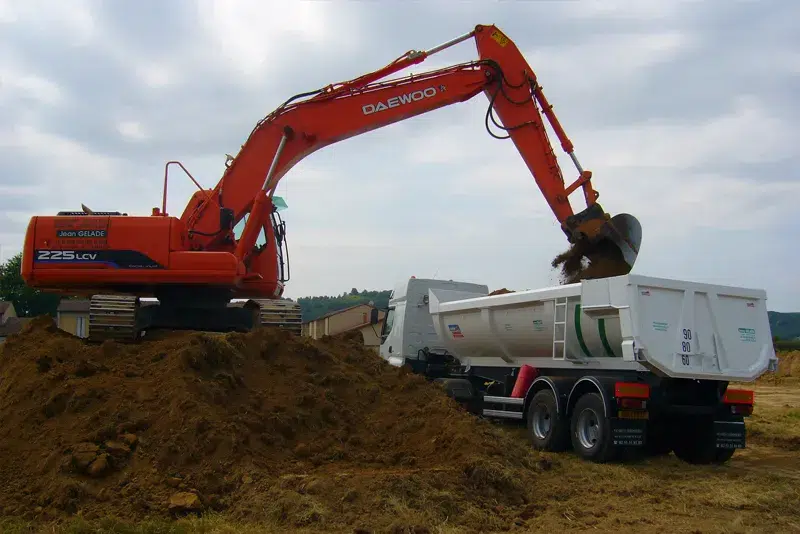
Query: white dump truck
[[602, 366]]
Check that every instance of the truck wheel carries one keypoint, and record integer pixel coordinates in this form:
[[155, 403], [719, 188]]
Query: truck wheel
[[658, 438], [590, 430], [695, 444], [546, 429], [461, 391]]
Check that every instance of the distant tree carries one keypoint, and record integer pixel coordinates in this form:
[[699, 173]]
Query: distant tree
[[28, 302], [354, 291], [315, 307]]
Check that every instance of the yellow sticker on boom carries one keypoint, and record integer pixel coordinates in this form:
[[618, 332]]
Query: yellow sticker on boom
[[498, 36]]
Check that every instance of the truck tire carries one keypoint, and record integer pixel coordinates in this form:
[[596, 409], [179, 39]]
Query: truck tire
[[694, 443], [546, 429], [590, 430], [659, 442], [461, 391]]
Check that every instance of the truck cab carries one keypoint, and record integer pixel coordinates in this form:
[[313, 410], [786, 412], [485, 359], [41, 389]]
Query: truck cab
[[408, 326]]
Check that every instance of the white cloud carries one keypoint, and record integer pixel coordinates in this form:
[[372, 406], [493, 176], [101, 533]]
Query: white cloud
[[17, 84], [132, 130], [748, 133], [157, 75], [603, 61], [72, 21], [252, 37], [635, 10], [436, 192]]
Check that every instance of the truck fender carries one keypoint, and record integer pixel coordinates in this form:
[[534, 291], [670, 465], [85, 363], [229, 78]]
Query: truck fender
[[592, 384], [560, 387], [459, 389]]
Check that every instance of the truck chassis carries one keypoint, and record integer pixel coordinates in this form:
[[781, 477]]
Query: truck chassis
[[601, 414]]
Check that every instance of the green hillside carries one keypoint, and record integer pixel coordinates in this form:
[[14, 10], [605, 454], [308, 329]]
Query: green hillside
[[316, 307], [785, 326]]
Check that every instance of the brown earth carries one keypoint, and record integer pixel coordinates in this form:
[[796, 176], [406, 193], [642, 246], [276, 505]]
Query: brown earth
[[502, 291], [788, 364], [261, 427]]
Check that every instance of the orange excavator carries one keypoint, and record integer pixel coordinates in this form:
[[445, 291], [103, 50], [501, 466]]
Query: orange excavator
[[196, 267]]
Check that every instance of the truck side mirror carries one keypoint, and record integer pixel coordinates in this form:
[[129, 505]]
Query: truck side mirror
[[373, 316]]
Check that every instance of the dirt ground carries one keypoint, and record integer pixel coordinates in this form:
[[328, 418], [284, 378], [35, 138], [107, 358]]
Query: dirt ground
[[204, 422], [757, 491]]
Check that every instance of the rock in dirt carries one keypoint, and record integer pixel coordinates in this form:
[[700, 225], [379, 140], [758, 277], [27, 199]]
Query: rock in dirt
[[117, 449], [84, 454], [185, 501], [264, 427], [99, 466]]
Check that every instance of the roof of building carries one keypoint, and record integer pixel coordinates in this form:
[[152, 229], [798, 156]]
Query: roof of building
[[4, 305], [12, 326], [337, 312], [74, 305]]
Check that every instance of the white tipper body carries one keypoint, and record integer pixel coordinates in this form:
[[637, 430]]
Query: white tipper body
[[670, 327]]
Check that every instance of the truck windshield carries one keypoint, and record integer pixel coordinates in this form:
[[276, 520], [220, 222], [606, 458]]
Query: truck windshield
[[387, 324]]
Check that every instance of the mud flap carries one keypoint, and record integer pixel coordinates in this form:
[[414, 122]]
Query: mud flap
[[628, 432], [729, 434]]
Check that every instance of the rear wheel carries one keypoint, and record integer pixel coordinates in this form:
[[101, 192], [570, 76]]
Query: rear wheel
[[461, 391], [695, 442], [547, 431], [591, 431], [658, 441]]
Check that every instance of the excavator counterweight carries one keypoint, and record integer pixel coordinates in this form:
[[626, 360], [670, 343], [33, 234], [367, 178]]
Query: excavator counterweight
[[200, 268]]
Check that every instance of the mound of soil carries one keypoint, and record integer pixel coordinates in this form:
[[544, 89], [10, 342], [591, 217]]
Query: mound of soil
[[788, 364], [502, 291], [263, 427]]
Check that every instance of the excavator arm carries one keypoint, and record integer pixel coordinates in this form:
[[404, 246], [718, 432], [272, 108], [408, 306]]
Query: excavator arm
[[311, 121], [194, 266]]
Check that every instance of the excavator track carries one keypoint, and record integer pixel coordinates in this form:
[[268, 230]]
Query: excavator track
[[283, 314], [113, 317]]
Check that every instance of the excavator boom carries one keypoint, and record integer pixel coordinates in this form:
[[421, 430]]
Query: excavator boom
[[338, 112], [195, 264]]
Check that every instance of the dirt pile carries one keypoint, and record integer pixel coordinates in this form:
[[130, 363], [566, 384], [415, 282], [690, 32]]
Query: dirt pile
[[263, 427], [502, 291], [584, 262], [788, 364]]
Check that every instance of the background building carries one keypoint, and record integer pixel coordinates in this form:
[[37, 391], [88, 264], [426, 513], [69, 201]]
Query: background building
[[346, 320], [72, 316], [9, 322]]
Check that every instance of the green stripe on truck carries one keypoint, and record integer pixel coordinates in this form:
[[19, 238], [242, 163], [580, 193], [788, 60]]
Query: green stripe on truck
[[601, 324], [579, 332]]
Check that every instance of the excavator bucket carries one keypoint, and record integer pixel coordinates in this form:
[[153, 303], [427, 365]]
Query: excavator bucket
[[625, 232], [609, 244]]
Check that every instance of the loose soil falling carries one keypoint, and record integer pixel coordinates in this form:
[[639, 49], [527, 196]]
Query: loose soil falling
[[584, 262], [262, 427]]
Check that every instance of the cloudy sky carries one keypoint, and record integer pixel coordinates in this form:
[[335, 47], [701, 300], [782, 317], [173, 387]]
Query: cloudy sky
[[683, 111]]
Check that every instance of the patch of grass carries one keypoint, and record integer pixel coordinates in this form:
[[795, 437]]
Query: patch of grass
[[776, 415]]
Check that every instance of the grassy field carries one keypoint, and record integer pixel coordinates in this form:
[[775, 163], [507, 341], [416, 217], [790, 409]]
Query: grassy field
[[757, 491]]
